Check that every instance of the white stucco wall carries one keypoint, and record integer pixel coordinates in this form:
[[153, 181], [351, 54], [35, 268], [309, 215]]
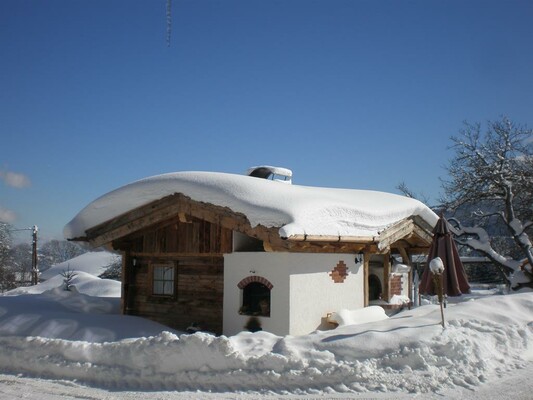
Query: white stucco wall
[[314, 294], [270, 266], [303, 291]]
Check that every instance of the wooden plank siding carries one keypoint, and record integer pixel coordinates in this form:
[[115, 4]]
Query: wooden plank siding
[[195, 248]]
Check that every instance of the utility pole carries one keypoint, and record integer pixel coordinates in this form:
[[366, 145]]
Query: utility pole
[[34, 266]]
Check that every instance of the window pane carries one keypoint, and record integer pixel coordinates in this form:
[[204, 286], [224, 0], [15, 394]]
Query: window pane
[[163, 280], [169, 273], [169, 288], [158, 287], [158, 273]]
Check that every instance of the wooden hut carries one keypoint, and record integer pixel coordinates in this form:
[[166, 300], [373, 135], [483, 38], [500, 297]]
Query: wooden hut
[[217, 249]]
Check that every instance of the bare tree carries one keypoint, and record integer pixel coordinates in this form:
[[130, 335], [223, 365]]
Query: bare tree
[[495, 168], [113, 270], [5, 243], [407, 192], [7, 275], [57, 251], [21, 255]]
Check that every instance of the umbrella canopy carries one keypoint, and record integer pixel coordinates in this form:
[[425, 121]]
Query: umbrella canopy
[[454, 280]]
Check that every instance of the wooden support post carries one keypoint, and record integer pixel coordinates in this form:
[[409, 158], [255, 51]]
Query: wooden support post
[[386, 277], [126, 272], [406, 259], [366, 272]]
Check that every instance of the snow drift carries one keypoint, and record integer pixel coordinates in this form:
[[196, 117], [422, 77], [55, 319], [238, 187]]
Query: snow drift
[[92, 262], [83, 282], [364, 315], [409, 352]]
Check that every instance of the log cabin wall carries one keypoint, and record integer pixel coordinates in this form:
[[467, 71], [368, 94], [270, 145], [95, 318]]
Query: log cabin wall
[[194, 249]]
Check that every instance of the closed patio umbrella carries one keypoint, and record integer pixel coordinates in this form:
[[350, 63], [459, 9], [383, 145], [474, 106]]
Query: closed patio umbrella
[[454, 280]]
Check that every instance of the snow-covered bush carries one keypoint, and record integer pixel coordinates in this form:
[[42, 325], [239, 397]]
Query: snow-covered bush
[[68, 276]]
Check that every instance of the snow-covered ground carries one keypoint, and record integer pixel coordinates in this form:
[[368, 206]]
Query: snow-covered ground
[[516, 386], [58, 344]]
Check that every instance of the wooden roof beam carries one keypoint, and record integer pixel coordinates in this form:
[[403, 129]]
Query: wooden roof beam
[[331, 239]]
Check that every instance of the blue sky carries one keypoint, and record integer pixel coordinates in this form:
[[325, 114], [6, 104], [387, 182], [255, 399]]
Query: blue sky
[[355, 94]]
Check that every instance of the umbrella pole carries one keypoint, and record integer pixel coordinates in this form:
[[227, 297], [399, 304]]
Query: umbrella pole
[[442, 313], [437, 280]]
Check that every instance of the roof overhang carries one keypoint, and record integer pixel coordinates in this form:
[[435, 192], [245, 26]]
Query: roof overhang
[[411, 232]]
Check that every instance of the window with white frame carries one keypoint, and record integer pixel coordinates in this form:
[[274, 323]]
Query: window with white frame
[[163, 279]]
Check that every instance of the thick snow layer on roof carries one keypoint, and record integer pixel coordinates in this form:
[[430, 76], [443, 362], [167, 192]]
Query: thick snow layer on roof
[[297, 210]]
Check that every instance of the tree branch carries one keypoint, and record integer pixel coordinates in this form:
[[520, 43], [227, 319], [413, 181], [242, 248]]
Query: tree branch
[[481, 242]]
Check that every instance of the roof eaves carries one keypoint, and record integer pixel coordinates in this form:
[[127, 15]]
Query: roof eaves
[[331, 238]]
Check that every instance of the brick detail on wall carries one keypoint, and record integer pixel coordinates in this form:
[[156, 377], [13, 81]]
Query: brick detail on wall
[[254, 278], [339, 273], [395, 285]]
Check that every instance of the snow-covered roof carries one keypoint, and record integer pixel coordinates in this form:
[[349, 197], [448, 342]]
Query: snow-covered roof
[[296, 210]]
